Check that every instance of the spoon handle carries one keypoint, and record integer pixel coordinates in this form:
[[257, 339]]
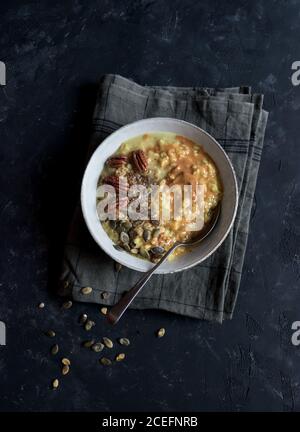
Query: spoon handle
[[119, 308]]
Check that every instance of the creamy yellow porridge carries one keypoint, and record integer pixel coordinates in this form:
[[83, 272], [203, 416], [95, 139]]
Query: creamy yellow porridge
[[161, 160]]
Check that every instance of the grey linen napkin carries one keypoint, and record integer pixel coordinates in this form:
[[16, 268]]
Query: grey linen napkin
[[208, 291]]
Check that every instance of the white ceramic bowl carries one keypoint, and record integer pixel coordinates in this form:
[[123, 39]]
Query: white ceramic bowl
[[179, 127]]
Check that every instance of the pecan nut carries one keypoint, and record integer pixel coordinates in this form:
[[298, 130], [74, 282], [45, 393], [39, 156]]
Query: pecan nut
[[119, 183], [140, 160], [116, 161]]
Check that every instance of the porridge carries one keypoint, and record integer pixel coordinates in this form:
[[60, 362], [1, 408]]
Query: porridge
[[157, 160]]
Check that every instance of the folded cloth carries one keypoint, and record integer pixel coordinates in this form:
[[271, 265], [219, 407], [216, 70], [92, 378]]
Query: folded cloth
[[209, 290]]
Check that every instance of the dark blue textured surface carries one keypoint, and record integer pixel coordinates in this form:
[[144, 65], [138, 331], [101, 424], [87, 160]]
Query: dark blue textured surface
[[55, 52]]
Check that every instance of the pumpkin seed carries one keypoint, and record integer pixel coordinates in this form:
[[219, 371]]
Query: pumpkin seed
[[41, 305], [97, 347], [55, 383], [146, 235], [157, 250], [124, 237], [120, 357], [54, 349], [132, 233], [126, 247], [161, 332], [124, 341], [134, 251], [112, 224], [67, 305], [50, 333], [86, 290], [105, 361], [127, 225], [144, 253], [119, 228], [118, 248], [83, 318], [65, 369], [88, 344], [103, 310], [105, 294], [108, 342], [89, 324], [156, 233], [66, 361]]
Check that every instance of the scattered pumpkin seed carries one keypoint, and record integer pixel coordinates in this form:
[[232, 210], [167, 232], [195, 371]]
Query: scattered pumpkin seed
[[89, 324], [83, 318], [127, 225], [146, 235], [86, 290], [65, 369], [161, 332], [97, 347], [66, 361], [120, 357], [132, 233], [124, 341], [54, 349], [134, 251], [88, 344], [108, 342], [157, 250], [113, 224], [105, 294], [126, 247], [50, 333], [55, 383], [67, 305], [119, 228], [41, 305], [105, 361], [104, 310], [124, 237]]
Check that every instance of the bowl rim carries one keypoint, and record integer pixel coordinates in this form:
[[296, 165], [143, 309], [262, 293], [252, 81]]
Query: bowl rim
[[236, 195]]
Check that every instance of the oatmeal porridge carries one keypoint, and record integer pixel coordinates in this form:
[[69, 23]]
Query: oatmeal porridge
[[157, 159]]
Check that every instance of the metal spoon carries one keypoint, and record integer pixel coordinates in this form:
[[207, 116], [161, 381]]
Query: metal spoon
[[119, 308]]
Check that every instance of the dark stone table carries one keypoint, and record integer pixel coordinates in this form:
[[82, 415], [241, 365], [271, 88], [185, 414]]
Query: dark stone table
[[54, 53]]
